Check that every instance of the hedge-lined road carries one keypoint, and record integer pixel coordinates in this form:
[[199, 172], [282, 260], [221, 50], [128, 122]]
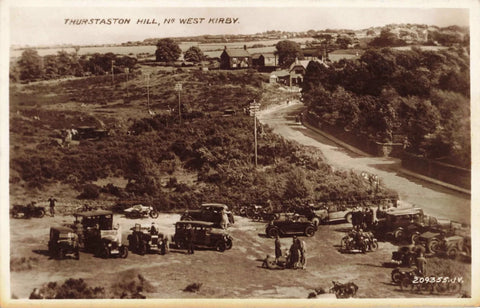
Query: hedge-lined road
[[435, 200]]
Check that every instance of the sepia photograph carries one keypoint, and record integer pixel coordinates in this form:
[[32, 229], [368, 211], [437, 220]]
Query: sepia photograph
[[258, 154]]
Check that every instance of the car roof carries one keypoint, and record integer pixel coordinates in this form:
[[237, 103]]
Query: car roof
[[221, 205], [62, 229], [405, 211], [94, 213], [195, 222]]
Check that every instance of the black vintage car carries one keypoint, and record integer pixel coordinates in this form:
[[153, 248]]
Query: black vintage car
[[211, 212], [27, 211], [63, 242], [290, 225], [204, 235], [142, 240], [99, 236]]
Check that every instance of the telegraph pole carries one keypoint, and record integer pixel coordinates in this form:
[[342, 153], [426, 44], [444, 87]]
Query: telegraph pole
[[254, 108], [178, 88], [113, 79], [148, 91]]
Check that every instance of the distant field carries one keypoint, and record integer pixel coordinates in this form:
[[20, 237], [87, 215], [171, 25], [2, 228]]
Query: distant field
[[212, 50]]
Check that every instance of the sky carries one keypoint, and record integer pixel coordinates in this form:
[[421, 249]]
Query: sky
[[36, 26]]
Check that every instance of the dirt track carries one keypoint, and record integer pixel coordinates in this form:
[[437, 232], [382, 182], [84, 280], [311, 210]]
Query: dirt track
[[236, 273]]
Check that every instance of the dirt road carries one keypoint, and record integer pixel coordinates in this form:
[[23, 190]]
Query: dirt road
[[435, 200]]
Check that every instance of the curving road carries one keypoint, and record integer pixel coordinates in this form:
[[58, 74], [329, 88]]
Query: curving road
[[435, 200]]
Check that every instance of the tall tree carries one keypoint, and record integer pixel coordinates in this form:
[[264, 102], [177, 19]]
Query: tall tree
[[167, 50], [30, 64], [194, 54], [287, 51]]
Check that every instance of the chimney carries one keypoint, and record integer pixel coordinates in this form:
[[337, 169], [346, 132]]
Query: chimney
[[245, 47], [225, 47]]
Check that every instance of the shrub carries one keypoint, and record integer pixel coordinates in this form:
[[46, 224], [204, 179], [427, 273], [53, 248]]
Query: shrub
[[90, 191]]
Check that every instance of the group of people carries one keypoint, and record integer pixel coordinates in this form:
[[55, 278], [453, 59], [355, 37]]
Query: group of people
[[295, 256], [362, 219]]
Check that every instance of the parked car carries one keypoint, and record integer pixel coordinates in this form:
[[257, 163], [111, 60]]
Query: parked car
[[27, 211], [295, 224], [63, 242], [99, 236], [205, 235], [396, 223], [211, 212], [89, 133], [142, 240]]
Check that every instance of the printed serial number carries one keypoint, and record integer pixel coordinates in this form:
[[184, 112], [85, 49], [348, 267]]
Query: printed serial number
[[440, 279]]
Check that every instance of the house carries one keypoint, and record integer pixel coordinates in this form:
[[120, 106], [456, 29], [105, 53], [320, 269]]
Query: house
[[235, 58], [265, 61], [282, 77]]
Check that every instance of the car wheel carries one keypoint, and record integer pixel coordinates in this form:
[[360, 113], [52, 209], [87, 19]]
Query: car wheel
[[316, 221], [123, 252], [228, 244], [272, 232], [454, 287], [452, 252], [142, 248], [374, 245], [220, 246], [41, 213], [154, 214], [398, 234], [406, 284], [105, 252], [414, 237], [60, 253], [344, 243], [348, 218], [396, 276], [309, 231], [433, 245], [187, 218]]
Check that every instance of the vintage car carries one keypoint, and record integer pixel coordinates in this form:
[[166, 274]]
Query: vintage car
[[142, 240], [89, 133], [205, 235], [291, 225], [63, 242], [27, 211], [436, 233], [99, 236], [399, 223], [211, 212]]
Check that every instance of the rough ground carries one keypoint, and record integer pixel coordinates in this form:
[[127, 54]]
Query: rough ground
[[236, 273]]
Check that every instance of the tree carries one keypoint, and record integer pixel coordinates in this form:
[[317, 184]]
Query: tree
[[167, 50], [194, 54], [343, 41], [30, 64], [287, 51]]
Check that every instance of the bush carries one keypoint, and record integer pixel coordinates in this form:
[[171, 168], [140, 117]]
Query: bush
[[90, 191]]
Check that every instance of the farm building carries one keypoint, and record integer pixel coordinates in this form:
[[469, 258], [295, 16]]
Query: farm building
[[235, 58], [265, 61]]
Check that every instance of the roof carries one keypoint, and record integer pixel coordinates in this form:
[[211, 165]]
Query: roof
[[219, 205], [62, 229], [237, 52], [280, 73], [94, 213], [195, 222]]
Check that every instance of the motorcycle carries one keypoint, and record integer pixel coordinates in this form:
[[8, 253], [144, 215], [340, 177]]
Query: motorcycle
[[399, 274], [27, 211], [140, 211], [363, 242], [344, 290]]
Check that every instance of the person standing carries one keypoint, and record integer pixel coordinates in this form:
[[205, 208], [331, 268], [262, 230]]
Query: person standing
[[190, 234], [52, 201], [294, 253], [421, 264], [278, 248], [302, 247], [224, 219]]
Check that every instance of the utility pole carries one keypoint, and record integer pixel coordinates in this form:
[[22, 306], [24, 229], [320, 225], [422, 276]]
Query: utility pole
[[113, 79], [126, 83], [148, 91], [178, 88], [254, 108]]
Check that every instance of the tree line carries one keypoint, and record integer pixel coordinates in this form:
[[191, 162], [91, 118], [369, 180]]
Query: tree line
[[32, 67], [420, 94]]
